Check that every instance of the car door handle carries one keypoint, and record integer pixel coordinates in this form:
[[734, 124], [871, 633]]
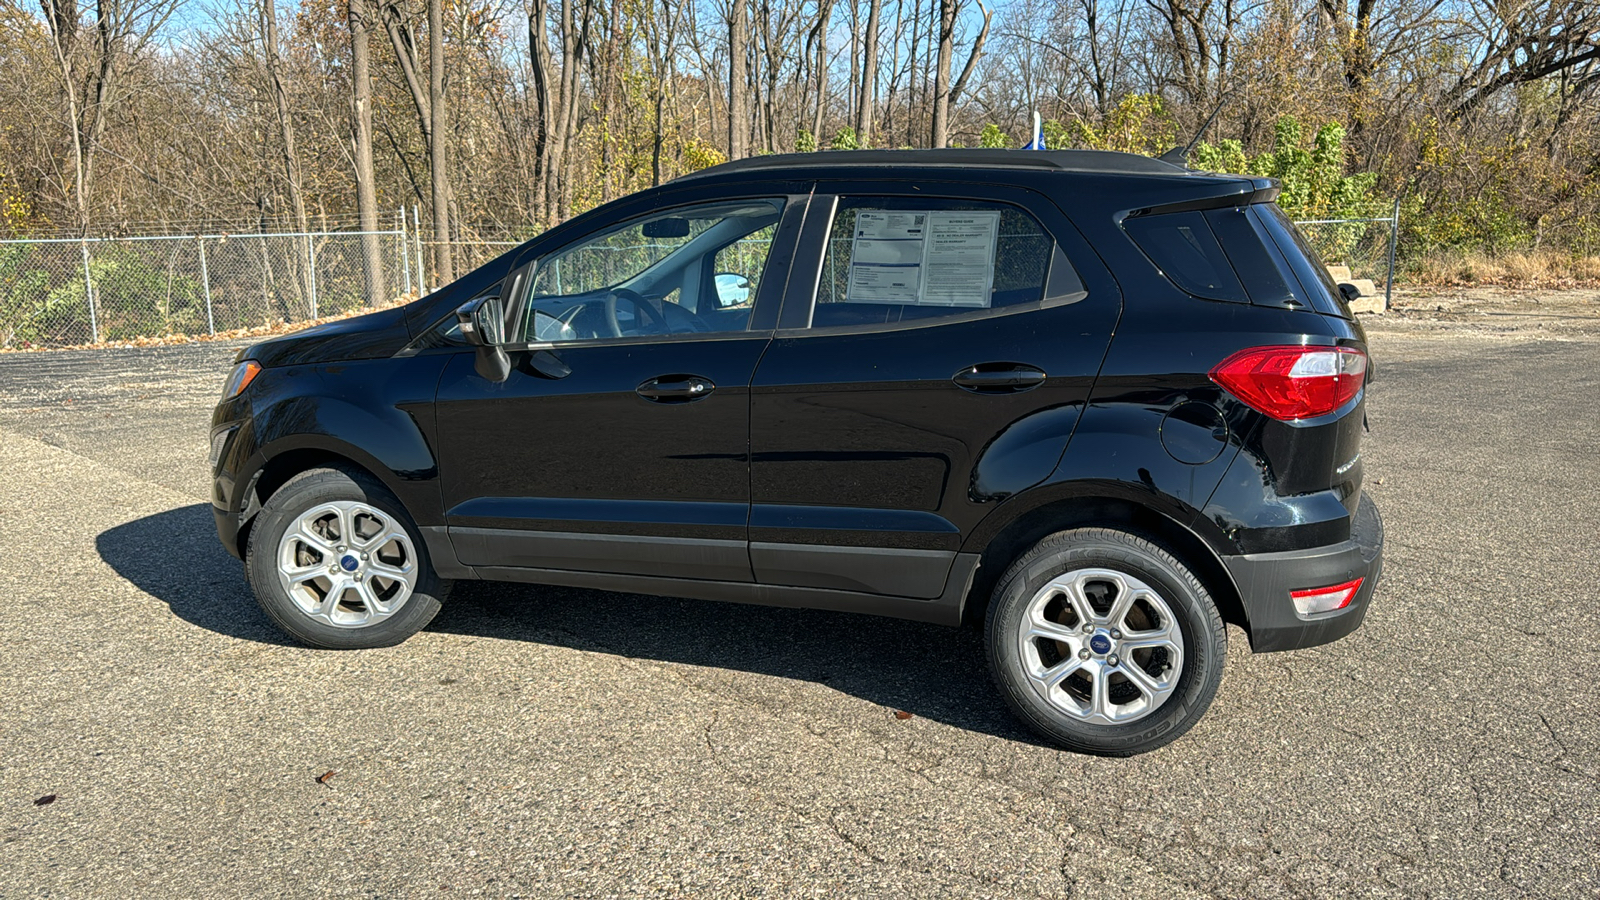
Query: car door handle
[[998, 378], [676, 389]]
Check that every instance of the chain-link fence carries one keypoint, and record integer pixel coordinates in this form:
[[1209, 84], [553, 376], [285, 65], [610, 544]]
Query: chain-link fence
[[72, 291], [469, 254], [66, 291]]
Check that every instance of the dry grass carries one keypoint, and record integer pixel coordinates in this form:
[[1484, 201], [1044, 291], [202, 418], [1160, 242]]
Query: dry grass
[[1516, 269]]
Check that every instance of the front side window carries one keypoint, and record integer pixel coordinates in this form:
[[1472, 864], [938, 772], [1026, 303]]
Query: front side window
[[690, 270], [903, 259]]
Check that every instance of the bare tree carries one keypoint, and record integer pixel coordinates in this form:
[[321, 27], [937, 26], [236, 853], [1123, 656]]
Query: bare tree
[[438, 147], [738, 78], [945, 94], [819, 34], [544, 99], [867, 90], [1520, 41], [360, 18], [288, 154], [92, 78]]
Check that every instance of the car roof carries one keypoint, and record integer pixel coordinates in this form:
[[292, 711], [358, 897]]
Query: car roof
[[1091, 161]]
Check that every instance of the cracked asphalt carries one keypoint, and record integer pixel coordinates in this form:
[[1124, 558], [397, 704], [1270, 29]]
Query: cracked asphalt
[[544, 742]]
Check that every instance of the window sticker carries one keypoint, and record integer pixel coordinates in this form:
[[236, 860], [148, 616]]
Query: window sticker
[[923, 258], [959, 258], [886, 257]]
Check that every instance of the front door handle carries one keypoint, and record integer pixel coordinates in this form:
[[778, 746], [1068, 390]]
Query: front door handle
[[999, 378], [676, 389]]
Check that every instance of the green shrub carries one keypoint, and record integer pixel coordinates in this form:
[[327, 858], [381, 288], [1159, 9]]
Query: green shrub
[[993, 138]]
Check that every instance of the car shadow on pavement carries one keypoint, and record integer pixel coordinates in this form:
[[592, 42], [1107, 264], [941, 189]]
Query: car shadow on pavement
[[930, 671], [175, 557]]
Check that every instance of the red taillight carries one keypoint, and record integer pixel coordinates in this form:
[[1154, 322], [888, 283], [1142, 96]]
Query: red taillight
[[1325, 599], [1289, 383]]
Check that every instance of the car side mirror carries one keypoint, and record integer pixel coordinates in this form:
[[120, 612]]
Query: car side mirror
[[483, 325], [1349, 292], [732, 289]]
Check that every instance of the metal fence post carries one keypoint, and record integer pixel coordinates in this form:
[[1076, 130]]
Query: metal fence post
[[88, 294], [405, 252], [205, 284], [311, 275], [422, 277], [1394, 238]]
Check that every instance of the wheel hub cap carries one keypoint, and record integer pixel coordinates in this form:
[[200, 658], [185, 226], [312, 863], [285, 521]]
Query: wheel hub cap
[[1101, 646], [351, 589]]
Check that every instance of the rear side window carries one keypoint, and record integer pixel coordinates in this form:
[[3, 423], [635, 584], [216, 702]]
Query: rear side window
[[904, 259], [1266, 277], [1184, 248], [1313, 275]]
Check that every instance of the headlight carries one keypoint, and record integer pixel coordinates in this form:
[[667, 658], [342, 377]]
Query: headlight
[[243, 374]]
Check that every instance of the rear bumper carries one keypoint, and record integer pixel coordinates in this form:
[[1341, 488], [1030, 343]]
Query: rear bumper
[[1265, 580]]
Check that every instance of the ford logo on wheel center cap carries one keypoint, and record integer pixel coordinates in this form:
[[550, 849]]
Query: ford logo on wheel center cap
[[350, 563], [1100, 644]]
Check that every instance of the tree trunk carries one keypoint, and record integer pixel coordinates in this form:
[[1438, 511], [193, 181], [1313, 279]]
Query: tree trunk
[[822, 70], [738, 79], [941, 75], [867, 90], [574, 43], [544, 118], [960, 86], [290, 158], [1354, 37], [438, 147], [360, 13]]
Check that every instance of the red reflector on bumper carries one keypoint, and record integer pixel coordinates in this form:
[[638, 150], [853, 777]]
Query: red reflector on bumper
[[1325, 599]]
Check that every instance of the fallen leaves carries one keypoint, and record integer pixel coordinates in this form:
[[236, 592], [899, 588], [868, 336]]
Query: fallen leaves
[[46, 800], [901, 714]]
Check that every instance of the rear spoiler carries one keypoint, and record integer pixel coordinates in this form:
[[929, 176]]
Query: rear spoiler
[[1246, 191]]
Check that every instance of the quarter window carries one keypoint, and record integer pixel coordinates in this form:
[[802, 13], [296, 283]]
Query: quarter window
[[1183, 247], [904, 259]]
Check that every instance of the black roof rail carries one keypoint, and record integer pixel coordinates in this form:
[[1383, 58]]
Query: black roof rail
[[1099, 161]]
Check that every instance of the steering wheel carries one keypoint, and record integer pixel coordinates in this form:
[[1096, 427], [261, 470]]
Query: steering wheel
[[639, 303], [689, 321]]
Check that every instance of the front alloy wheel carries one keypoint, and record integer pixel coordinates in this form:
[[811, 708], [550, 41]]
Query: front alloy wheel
[[347, 564], [335, 561]]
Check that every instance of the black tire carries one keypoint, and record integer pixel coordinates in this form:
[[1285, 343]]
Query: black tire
[[1201, 655], [302, 493]]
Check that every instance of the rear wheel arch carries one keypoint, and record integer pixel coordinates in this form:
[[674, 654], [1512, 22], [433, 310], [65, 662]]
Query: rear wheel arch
[[1028, 528]]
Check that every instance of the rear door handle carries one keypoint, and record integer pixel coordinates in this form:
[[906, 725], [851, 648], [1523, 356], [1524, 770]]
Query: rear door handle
[[999, 378], [676, 389]]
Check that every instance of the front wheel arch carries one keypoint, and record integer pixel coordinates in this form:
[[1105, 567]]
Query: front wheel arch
[[279, 468]]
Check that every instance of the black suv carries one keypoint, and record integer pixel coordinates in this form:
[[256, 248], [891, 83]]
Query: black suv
[[1100, 402]]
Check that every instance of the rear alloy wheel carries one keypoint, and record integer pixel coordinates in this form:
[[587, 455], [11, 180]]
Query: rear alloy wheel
[[335, 561], [1104, 642]]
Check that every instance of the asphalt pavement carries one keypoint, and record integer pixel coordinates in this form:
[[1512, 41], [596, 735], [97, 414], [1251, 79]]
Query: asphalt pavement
[[545, 742]]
